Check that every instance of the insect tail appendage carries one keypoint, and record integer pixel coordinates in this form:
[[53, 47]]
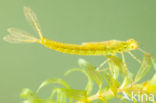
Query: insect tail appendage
[[19, 36]]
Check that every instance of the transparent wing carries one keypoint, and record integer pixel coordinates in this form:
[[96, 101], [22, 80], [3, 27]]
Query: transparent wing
[[18, 36], [32, 19]]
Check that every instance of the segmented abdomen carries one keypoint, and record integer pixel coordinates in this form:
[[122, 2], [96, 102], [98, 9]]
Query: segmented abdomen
[[78, 49]]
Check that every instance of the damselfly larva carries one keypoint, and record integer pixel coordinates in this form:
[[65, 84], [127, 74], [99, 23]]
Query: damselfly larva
[[110, 47]]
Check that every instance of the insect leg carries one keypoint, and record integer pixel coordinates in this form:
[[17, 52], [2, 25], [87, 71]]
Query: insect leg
[[123, 60], [134, 57], [102, 64], [143, 51]]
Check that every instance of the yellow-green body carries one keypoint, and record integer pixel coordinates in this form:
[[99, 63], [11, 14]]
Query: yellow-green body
[[94, 48]]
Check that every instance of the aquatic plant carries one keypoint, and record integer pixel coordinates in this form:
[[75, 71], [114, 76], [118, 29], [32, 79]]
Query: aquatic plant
[[121, 83]]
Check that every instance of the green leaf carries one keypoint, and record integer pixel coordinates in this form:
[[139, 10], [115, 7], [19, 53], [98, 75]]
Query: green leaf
[[100, 101], [27, 93], [118, 62], [61, 97], [74, 70], [91, 71], [153, 80], [154, 63], [128, 77], [33, 101], [89, 86], [53, 81], [114, 70], [46, 101], [106, 93], [127, 80], [79, 95], [32, 98], [145, 67], [39, 101], [54, 91], [113, 84]]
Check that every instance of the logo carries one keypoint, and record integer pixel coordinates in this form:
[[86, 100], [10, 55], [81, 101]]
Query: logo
[[139, 97]]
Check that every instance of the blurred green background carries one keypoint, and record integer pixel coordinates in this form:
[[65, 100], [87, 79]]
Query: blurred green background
[[71, 21]]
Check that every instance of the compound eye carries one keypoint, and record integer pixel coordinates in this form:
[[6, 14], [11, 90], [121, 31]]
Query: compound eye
[[133, 46], [131, 40]]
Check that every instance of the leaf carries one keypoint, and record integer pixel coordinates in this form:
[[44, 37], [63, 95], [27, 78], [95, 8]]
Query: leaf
[[39, 101], [145, 67], [114, 70], [33, 101], [113, 84], [150, 86], [61, 97], [27, 94], [91, 71], [89, 86], [53, 81], [118, 62], [54, 91], [32, 98], [153, 80], [105, 94], [100, 101], [45, 101], [127, 80], [73, 70], [154, 63], [79, 95]]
